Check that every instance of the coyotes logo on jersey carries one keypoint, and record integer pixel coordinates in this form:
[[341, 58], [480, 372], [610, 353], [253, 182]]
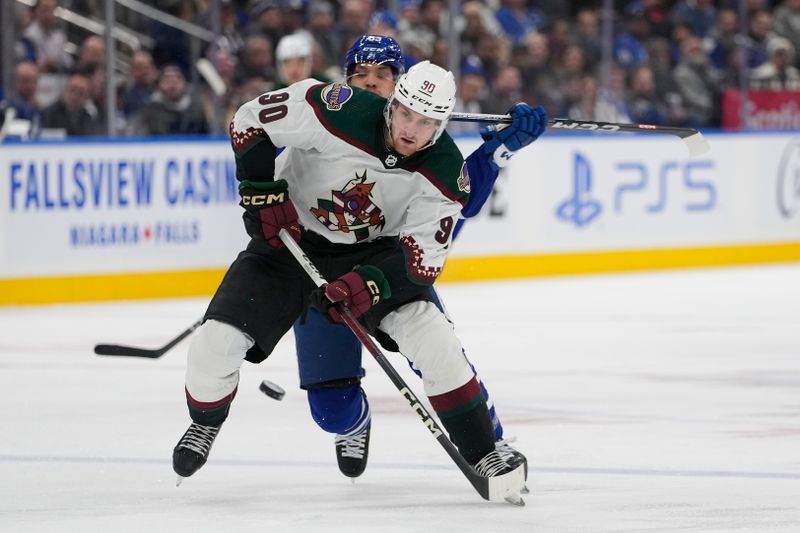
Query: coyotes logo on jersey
[[351, 209]]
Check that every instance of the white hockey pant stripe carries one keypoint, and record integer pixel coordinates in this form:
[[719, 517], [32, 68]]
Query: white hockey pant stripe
[[216, 353], [426, 338]]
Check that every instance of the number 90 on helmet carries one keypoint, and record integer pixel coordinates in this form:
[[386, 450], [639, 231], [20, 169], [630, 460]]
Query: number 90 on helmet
[[427, 89]]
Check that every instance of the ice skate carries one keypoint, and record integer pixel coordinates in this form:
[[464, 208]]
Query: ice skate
[[352, 452], [508, 452], [192, 450], [506, 476]]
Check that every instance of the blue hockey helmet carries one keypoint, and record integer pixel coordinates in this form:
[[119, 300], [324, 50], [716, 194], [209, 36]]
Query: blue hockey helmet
[[375, 49]]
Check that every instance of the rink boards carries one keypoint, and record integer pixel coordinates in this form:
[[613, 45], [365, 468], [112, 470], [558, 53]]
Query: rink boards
[[106, 220]]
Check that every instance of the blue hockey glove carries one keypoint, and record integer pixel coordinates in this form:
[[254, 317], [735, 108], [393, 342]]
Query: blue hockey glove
[[502, 140]]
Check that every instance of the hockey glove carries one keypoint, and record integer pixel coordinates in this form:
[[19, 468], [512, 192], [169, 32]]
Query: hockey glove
[[502, 140], [358, 290], [269, 202]]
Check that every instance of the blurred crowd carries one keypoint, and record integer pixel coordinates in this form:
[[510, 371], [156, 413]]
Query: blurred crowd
[[671, 59]]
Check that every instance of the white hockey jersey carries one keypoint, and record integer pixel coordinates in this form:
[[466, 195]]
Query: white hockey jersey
[[346, 185]]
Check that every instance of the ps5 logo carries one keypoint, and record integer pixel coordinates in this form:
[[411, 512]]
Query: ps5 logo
[[788, 182], [580, 208]]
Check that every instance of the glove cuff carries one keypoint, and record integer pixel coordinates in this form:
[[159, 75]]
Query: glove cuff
[[502, 156], [376, 282], [258, 194]]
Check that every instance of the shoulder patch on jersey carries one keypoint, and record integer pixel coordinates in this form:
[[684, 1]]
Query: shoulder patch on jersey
[[359, 126], [463, 180], [336, 95]]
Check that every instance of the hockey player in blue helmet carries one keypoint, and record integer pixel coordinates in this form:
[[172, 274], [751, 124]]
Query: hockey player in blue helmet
[[329, 356]]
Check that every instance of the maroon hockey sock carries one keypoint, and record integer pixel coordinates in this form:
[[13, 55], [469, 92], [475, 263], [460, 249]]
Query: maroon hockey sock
[[464, 415], [210, 413]]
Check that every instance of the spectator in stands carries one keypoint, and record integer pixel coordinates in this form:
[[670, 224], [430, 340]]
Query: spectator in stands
[[699, 15], [516, 18], [140, 84], [489, 50], [266, 18], [476, 21], [629, 46], [698, 83], [644, 105], [171, 44], [587, 34], [352, 23], [47, 38], [506, 90], [778, 73], [294, 15], [656, 13], [172, 110], [721, 40], [572, 64], [538, 77], [256, 59], [432, 17], [760, 34], [472, 93], [26, 78], [92, 53], [660, 62], [559, 36], [382, 22], [595, 104], [320, 25], [408, 15], [787, 21], [74, 112]]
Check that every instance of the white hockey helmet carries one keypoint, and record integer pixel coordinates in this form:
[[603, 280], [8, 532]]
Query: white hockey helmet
[[293, 45], [427, 89]]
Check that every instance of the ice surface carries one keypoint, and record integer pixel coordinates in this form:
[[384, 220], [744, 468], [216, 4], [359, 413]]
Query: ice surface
[[658, 402]]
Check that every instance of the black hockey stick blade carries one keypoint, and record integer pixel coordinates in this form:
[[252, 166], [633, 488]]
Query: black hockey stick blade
[[133, 351], [694, 140], [498, 488]]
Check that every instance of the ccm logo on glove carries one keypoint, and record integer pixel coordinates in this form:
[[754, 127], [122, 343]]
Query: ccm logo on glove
[[269, 210], [259, 200]]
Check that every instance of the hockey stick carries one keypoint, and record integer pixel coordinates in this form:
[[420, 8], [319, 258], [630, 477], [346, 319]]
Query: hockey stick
[[498, 488], [132, 351], [694, 140]]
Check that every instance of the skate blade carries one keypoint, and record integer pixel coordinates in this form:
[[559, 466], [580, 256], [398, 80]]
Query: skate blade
[[525, 490], [515, 499], [179, 481], [509, 485]]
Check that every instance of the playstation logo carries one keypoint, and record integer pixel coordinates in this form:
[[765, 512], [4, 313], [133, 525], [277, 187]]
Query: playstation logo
[[579, 208]]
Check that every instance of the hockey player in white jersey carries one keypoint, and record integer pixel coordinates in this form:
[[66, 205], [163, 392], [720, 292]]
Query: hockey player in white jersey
[[329, 355], [372, 190]]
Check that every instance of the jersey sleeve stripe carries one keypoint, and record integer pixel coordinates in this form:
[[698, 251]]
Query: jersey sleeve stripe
[[460, 198]]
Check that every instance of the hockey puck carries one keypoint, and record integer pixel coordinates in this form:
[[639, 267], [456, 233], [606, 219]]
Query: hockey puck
[[272, 390]]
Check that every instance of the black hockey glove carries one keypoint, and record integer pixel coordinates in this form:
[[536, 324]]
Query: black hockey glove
[[269, 202]]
